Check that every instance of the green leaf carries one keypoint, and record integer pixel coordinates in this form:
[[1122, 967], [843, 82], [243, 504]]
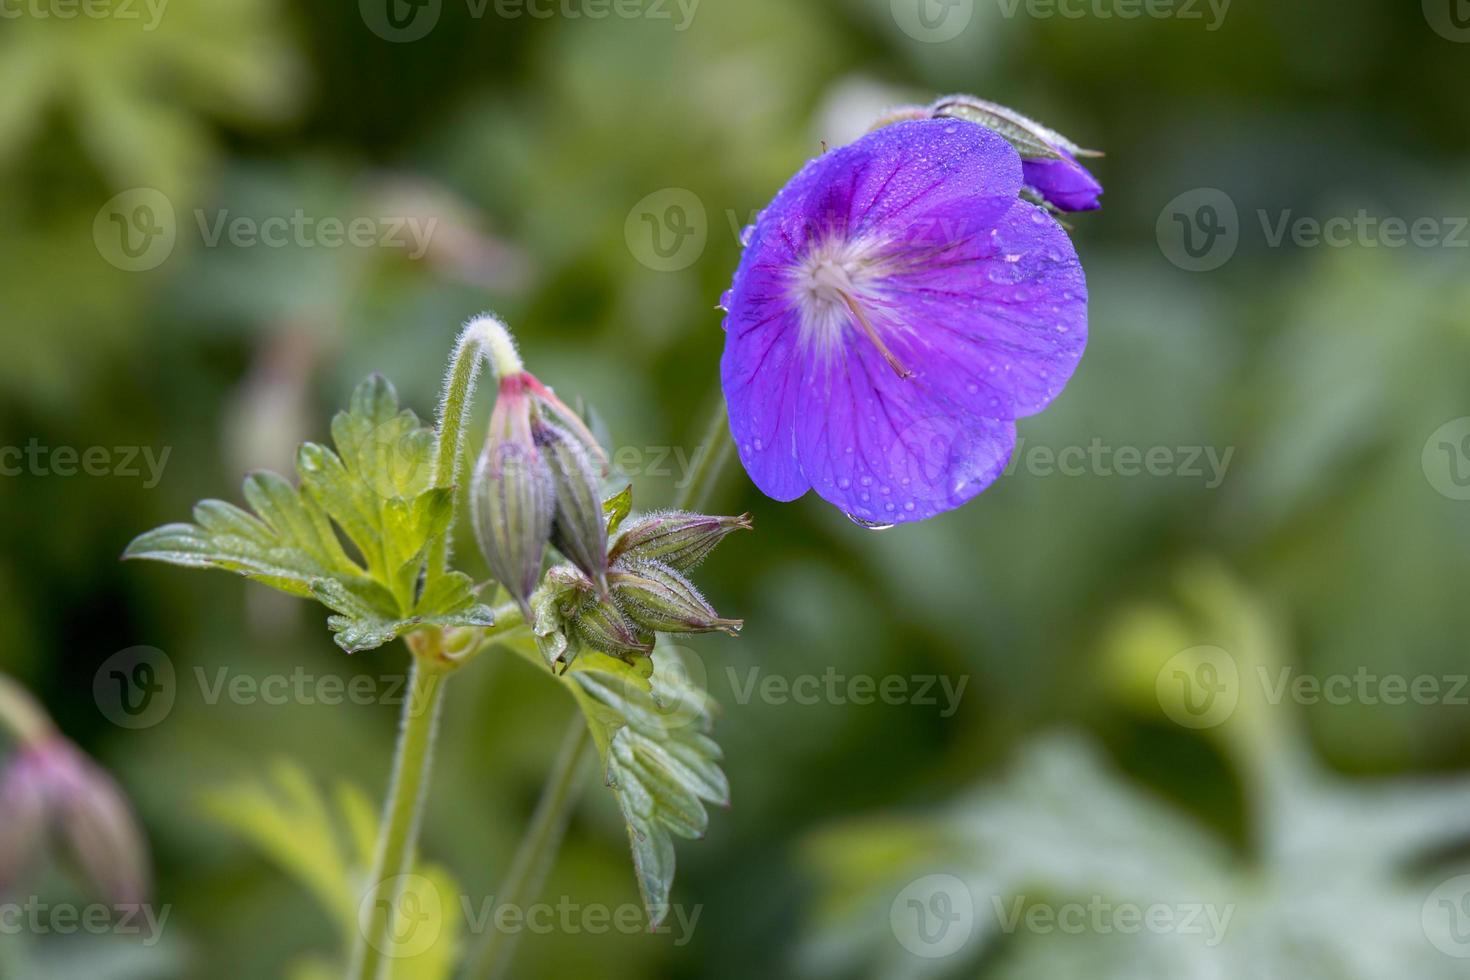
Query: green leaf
[[652, 732], [375, 489]]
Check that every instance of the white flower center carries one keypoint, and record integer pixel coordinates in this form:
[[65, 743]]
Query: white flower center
[[836, 288]]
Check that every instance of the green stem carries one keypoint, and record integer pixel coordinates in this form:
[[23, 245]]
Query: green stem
[[538, 847], [717, 446], [397, 838]]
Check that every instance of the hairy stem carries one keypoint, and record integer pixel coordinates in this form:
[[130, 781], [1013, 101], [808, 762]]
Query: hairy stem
[[483, 339], [398, 836], [538, 847]]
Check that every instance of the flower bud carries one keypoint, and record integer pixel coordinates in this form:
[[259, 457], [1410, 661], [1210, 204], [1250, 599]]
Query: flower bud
[[579, 530], [570, 614], [513, 495], [50, 786], [601, 625], [674, 538], [1049, 164], [659, 599]]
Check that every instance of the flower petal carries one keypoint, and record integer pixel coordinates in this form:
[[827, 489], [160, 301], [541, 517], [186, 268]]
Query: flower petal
[[887, 177], [881, 449], [993, 319], [1065, 183], [759, 372]]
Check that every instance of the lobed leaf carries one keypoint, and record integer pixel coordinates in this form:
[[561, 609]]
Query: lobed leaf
[[652, 734], [375, 489]]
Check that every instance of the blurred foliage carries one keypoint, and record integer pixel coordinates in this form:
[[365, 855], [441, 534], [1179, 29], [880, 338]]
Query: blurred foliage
[[329, 850], [1324, 371], [1330, 880]]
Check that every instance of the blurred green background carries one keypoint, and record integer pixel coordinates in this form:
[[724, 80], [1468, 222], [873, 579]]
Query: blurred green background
[[1334, 542]]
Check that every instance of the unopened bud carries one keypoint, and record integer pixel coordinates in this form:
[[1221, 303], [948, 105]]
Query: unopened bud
[[1049, 166], [571, 613], [674, 538], [659, 599], [601, 625], [51, 789], [579, 530], [513, 495]]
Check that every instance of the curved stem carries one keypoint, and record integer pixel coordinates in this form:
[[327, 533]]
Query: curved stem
[[397, 838], [483, 339], [537, 849]]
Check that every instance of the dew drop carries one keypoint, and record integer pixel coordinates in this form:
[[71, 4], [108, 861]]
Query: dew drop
[[867, 525], [844, 483], [746, 235]]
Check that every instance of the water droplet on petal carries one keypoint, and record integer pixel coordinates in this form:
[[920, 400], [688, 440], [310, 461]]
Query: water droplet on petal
[[746, 234], [867, 525], [725, 300]]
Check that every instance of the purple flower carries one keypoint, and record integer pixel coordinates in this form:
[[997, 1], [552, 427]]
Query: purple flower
[[897, 308], [1063, 183]]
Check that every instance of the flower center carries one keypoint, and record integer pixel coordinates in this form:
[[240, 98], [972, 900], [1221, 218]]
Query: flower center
[[834, 287]]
